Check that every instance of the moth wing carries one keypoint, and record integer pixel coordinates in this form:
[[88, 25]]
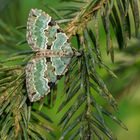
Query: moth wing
[[60, 64], [36, 83], [36, 24], [42, 74], [43, 32]]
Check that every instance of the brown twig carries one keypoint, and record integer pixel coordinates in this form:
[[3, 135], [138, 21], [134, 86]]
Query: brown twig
[[79, 21]]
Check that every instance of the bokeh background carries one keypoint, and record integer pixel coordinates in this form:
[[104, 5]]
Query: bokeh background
[[126, 88]]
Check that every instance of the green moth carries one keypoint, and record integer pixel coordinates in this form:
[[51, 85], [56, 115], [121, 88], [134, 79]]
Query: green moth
[[53, 54]]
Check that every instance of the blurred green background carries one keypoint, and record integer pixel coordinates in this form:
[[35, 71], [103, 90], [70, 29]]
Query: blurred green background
[[126, 89]]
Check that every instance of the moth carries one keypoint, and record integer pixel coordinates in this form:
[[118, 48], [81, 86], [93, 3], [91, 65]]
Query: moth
[[53, 54]]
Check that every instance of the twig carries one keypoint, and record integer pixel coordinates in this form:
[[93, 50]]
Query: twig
[[83, 17]]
